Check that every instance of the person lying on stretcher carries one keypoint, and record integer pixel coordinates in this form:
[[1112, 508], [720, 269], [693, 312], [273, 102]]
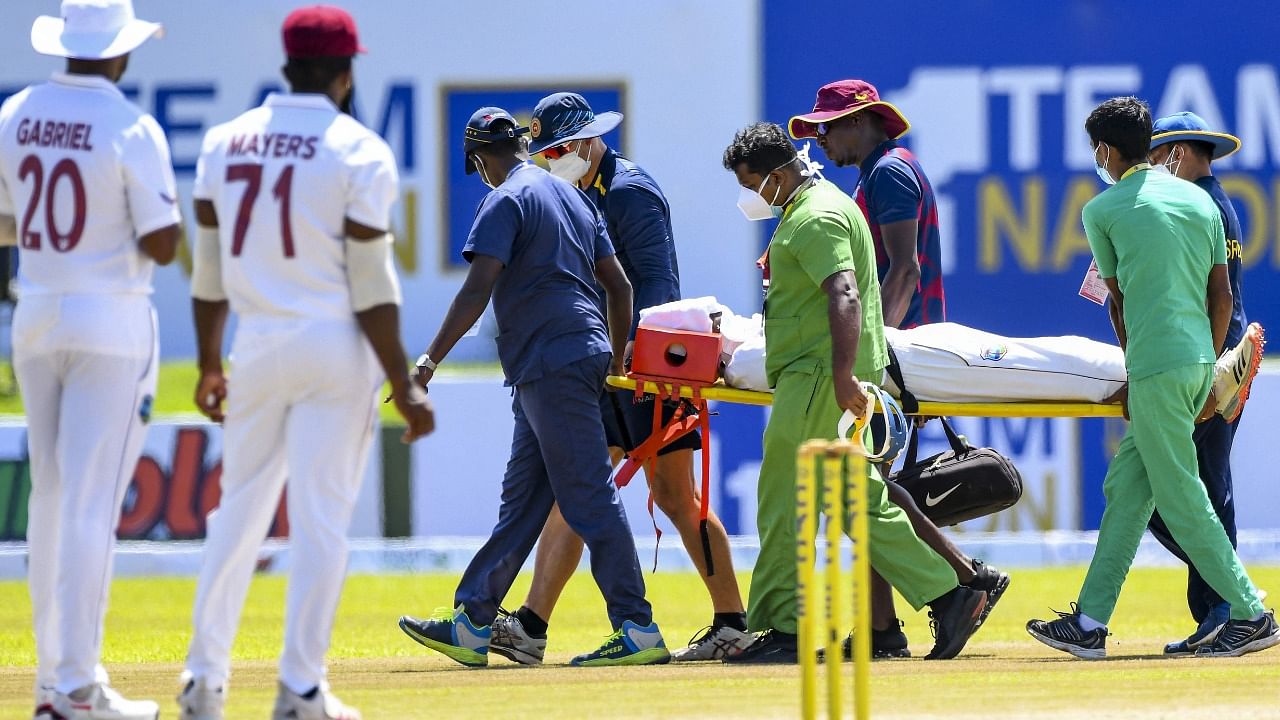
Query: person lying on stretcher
[[949, 362]]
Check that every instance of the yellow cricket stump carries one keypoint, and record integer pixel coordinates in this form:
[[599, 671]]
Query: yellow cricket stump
[[843, 492]]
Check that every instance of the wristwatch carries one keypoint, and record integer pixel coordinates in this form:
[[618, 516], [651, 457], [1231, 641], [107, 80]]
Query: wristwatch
[[425, 362]]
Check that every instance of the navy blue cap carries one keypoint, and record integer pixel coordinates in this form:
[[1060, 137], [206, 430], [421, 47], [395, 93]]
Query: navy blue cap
[[1185, 126], [480, 131], [564, 117]]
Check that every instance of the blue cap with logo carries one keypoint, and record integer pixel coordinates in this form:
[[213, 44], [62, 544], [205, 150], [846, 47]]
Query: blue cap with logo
[[1187, 126], [481, 131], [564, 117]]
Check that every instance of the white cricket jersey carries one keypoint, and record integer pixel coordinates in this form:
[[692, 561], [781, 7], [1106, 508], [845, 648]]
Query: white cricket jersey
[[85, 173], [283, 177]]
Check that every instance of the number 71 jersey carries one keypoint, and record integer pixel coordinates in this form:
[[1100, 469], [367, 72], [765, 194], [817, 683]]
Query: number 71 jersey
[[84, 173], [283, 178]]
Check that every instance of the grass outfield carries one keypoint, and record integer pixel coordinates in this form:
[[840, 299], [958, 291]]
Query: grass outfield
[[1003, 673], [176, 386]]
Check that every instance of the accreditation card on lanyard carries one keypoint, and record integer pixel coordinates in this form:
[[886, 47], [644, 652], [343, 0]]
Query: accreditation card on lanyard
[[1093, 288]]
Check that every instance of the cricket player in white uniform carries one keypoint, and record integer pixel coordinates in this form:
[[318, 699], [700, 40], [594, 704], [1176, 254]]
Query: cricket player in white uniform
[[87, 193], [293, 200]]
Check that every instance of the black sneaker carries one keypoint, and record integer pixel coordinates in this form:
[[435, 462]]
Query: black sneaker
[[1241, 637], [1066, 634], [1206, 632], [953, 619], [769, 647], [889, 644], [988, 578], [886, 644]]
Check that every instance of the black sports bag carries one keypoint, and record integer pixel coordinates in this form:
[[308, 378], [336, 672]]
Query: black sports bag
[[961, 484]]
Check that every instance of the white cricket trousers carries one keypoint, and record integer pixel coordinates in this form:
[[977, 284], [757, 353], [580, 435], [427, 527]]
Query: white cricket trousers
[[300, 404], [87, 368]]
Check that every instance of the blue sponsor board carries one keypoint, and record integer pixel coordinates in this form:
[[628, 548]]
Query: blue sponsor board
[[997, 93], [461, 193]]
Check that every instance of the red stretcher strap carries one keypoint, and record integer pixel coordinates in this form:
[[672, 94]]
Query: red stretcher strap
[[646, 453]]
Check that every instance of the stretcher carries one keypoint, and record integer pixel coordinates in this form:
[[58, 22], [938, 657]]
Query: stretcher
[[722, 393]]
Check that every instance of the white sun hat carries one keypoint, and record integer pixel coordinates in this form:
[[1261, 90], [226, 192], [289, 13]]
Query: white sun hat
[[92, 30]]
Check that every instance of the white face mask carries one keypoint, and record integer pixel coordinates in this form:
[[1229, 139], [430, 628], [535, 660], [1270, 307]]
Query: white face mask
[[484, 176], [753, 205], [1171, 164], [1101, 167], [571, 166]]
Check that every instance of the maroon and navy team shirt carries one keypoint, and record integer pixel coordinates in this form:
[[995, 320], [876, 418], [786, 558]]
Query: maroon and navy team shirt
[[891, 188]]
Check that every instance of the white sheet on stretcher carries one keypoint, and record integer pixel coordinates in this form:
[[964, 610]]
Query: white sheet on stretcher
[[943, 362]]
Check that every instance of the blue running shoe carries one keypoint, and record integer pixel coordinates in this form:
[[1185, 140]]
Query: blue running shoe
[[1204, 635], [630, 644], [451, 633]]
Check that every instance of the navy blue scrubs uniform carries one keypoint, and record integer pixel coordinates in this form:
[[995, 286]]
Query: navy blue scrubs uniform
[[639, 222], [553, 344]]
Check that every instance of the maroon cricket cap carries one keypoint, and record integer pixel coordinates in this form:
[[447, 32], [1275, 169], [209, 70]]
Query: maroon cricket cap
[[845, 97], [320, 31]]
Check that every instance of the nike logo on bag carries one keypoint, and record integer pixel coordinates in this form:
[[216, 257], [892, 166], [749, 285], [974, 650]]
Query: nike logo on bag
[[931, 500]]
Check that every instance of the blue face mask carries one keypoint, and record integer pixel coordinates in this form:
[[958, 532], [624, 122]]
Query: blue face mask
[[1101, 167]]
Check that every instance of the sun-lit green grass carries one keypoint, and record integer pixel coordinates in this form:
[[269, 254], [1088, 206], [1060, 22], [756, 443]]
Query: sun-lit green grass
[[1003, 673], [175, 389]]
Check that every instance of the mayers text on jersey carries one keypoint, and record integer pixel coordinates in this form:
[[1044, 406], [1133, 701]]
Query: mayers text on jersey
[[281, 145]]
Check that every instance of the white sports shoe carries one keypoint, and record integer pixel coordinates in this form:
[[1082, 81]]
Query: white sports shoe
[[44, 703], [1233, 373], [322, 705], [511, 641], [714, 644], [99, 702], [199, 700]]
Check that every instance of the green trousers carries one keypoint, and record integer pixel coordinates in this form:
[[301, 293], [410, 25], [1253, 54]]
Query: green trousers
[[804, 408], [1155, 469]]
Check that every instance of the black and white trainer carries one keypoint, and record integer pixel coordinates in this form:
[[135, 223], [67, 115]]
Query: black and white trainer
[[714, 642], [1241, 637], [513, 642], [1065, 634]]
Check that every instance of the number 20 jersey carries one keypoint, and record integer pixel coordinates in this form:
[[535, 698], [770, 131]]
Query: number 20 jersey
[[84, 173], [283, 177]]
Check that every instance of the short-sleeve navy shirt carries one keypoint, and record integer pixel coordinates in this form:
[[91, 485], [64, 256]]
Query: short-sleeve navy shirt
[[639, 222], [1231, 224], [893, 187], [548, 237]]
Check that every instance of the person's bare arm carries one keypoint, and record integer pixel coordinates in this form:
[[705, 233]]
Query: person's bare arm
[[210, 319], [8, 231], [162, 245], [903, 279], [381, 327], [467, 307], [617, 290], [1115, 309], [1220, 302], [844, 315]]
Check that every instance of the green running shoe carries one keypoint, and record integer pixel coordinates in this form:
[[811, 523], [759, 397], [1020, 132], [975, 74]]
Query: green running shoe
[[630, 644], [451, 633]]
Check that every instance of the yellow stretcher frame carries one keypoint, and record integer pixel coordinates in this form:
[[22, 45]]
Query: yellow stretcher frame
[[723, 393]]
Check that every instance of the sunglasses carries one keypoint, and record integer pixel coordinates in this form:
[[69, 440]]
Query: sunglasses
[[557, 152], [826, 127]]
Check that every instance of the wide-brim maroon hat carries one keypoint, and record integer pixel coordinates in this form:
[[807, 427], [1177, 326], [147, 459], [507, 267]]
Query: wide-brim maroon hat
[[845, 97]]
